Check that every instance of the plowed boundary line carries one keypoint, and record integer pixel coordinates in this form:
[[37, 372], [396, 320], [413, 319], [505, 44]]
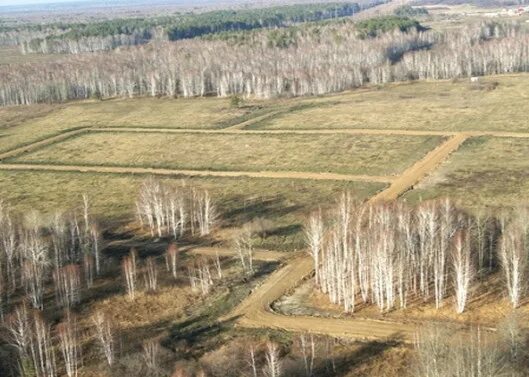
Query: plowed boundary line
[[42, 143], [345, 131], [196, 173], [249, 122]]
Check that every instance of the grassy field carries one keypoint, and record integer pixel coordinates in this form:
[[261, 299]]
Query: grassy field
[[371, 155], [284, 203], [439, 105], [24, 124], [483, 172]]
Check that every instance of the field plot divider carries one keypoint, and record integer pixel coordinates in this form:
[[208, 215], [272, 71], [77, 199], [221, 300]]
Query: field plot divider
[[195, 173], [350, 131], [343, 131], [31, 147]]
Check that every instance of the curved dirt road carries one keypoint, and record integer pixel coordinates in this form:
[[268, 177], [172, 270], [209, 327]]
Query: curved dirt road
[[255, 311]]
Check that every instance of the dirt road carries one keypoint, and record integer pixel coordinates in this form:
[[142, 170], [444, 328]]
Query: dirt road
[[261, 255], [236, 131], [345, 131], [420, 169], [255, 311], [198, 173]]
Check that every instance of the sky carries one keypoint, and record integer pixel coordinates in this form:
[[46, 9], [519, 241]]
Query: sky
[[26, 2]]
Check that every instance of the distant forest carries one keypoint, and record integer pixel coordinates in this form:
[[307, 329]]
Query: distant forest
[[311, 59], [110, 34], [478, 3]]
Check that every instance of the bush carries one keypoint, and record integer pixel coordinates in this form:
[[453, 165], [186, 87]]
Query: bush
[[236, 101]]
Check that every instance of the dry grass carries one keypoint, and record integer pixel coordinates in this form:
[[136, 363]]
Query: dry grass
[[370, 155], [35, 122], [487, 305], [437, 105], [286, 203], [483, 172]]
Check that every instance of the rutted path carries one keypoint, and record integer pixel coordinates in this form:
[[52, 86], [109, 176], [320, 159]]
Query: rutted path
[[255, 311], [196, 173]]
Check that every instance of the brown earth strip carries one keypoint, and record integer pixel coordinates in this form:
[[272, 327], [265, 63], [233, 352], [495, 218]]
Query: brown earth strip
[[346, 131], [41, 143], [420, 169], [197, 173]]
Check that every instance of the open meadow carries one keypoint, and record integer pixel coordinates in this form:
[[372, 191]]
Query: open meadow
[[496, 103]]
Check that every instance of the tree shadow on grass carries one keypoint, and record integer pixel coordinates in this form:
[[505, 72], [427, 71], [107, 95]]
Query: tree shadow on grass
[[243, 210], [351, 363], [203, 332]]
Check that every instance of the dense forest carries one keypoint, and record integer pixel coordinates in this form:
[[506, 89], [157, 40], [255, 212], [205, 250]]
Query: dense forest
[[323, 59], [109, 34]]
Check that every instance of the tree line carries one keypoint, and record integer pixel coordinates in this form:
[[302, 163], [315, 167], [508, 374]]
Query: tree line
[[387, 253], [323, 59], [109, 34]]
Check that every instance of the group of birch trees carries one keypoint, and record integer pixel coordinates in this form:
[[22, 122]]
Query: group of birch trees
[[388, 253], [443, 352], [175, 210], [321, 59], [64, 249]]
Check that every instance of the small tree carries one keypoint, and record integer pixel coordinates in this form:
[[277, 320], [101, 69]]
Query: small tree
[[105, 336], [171, 259], [151, 274], [128, 268], [68, 335], [273, 363], [67, 285]]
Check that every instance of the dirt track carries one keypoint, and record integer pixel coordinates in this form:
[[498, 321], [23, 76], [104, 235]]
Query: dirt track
[[262, 255], [197, 173], [420, 169], [345, 131], [255, 311], [41, 143]]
